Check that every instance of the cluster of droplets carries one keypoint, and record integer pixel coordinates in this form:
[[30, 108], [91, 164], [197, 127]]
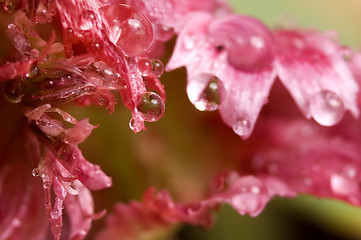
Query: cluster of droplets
[[206, 91], [327, 108], [101, 75], [148, 67], [128, 29]]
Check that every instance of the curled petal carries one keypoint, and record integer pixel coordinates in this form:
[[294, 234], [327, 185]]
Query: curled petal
[[243, 86], [312, 68]]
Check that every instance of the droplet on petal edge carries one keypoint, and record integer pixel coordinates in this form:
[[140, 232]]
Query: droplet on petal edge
[[242, 127], [157, 67], [150, 107], [327, 108], [129, 29], [144, 66], [206, 92], [35, 172]]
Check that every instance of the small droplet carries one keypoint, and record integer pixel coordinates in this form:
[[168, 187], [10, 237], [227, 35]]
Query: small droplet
[[13, 90], [206, 92], [9, 6], [157, 67], [150, 106], [144, 66], [188, 42], [34, 71], [343, 186], [46, 184], [129, 29], [55, 214], [132, 123], [326, 108], [242, 127], [255, 189], [36, 172]]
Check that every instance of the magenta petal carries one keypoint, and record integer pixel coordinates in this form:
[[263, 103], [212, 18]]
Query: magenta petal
[[312, 68], [245, 91]]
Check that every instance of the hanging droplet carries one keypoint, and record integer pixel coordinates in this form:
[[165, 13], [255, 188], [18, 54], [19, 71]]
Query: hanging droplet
[[129, 29], [326, 108], [13, 90], [144, 66], [206, 92], [157, 68], [242, 127], [150, 106], [36, 172]]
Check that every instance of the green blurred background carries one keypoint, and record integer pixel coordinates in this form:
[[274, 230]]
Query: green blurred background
[[172, 153]]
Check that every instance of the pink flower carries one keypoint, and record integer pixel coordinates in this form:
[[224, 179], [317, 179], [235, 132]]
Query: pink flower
[[225, 69], [232, 62]]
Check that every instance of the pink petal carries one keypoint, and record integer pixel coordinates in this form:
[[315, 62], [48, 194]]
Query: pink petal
[[205, 47], [312, 68]]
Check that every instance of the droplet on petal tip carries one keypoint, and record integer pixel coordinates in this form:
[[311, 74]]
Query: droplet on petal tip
[[242, 127], [327, 108], [206, 91], [150, 107], [129, 29]]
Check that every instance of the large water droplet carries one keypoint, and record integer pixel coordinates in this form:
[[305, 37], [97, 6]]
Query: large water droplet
[[150, 106], [242, 127], [129, 29], [206, 92], [247, 41], [101, 74], [326, 108]]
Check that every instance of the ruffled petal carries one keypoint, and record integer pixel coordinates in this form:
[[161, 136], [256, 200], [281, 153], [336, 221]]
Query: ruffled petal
[[313, 69], [240, 86]]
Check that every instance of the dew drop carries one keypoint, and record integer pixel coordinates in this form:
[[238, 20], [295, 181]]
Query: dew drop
[[144, 66], [242, 127], [132, 124], [150, 106], [36, 172], [129, 29], [55, 214], [157, 67], [206, 92], [8, 6], [188, 42], [326, 108], [13, 90], [343, 186]]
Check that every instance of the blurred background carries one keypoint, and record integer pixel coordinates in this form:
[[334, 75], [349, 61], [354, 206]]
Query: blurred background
[[172, 153]]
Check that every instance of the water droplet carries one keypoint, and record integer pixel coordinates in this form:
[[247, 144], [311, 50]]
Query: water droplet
[[157, 67], [255, 189], [206, 92], [249, 47], [129, 29], [13, 90], [55, 214], [343, 186], [36, 172], [9, 6], [46, 184], [189, 42], [150, 106], [34, 71], [132, 124], [326, 108], [144, 66], [242, 127]]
